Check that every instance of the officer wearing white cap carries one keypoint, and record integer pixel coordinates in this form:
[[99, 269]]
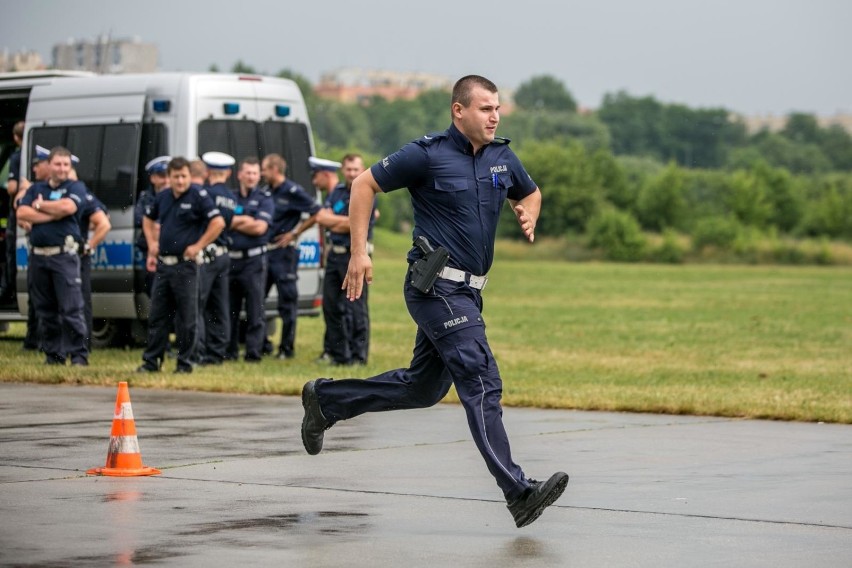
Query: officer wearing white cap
[[41, 171], [214, 319]]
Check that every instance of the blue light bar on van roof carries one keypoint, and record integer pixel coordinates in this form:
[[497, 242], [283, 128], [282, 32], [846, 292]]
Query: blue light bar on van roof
[[282, 110], [162, 106], [231, 108]]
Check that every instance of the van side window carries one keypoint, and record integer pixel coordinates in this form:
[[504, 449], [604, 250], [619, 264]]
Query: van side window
[[154, 144], [239, 138], [290, 140], [108, 157]]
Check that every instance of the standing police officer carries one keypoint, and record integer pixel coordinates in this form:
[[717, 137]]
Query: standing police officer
[[41, 172], [178, 225], [295, 211], [248, 233], [7, 279], [156, 170], [53, 208], [214, 314], [458, 181]]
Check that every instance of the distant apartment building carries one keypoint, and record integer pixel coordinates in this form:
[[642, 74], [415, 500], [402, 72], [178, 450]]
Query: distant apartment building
[[21, 61], [106, 55], [355, 85]]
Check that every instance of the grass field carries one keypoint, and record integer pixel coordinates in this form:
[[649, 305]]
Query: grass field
[[743, 341]]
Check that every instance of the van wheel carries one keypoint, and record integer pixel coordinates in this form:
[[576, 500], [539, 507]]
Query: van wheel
[[109, 333]]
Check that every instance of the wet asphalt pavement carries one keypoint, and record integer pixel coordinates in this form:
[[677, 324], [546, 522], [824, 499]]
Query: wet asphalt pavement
[[409, 488]]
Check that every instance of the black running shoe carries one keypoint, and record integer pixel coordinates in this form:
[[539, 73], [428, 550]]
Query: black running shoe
[[540, 495]]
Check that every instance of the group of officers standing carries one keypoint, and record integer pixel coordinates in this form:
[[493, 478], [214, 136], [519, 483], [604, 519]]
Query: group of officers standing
[[213, 253], [210, 253]]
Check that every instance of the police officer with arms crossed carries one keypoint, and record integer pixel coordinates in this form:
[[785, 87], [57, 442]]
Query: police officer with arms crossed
[[179, 224], [53, 208], [214, 313], [458, 180], [41, 172], [295, 212], [248, 234]]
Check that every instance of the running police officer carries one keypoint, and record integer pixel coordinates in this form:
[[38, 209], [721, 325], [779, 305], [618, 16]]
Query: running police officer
[[53, 208], [214, 315], [94, 217], [295, 212], [179, 224], [458, 180], [248, 233], [159, 180]]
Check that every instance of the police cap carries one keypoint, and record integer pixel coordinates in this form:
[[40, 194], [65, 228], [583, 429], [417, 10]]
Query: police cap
[[218, 160], [158, 165], [323, 165], [41, 154]]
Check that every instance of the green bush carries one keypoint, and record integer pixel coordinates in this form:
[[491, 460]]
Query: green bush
[[670, 250], [618, 234], [716, 231]]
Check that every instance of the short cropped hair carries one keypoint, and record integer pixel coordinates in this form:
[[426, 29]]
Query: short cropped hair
[[177, 164], [463, 89], [277, 162], [249, 161], [58, 151]]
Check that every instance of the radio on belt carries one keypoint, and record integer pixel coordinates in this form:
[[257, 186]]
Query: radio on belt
[[425, 271]]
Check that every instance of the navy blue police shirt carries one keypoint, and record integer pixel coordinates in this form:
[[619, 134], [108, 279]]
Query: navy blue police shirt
[[338, 202], [91, 205], [54, 233], [226, 203], [257, 205], [145, 200], [456, 196], [15, 166], [182, 219], [291, 201]]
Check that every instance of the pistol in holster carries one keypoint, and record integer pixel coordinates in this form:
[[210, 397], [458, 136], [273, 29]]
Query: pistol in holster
[[425, 271]]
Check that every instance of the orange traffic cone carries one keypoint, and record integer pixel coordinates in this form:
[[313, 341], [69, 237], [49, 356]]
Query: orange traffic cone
[[123, 457]]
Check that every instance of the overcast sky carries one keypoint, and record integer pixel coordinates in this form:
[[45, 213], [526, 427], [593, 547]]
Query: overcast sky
[[749, 56]]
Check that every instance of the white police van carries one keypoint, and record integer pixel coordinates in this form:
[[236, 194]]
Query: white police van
[[116, 124]]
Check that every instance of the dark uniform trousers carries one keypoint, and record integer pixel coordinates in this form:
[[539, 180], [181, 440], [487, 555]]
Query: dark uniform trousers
[[86, 289], [214, 315], [347, 324], [283, 272], [248, 281], [450, 349], [174, 299], [11, 267], [58, 301], [32, 340]]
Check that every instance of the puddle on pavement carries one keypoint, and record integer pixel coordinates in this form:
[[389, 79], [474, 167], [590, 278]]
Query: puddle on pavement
[[326, 522]]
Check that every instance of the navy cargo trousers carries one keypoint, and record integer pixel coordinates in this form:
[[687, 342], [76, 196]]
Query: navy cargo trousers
[[450, 349]]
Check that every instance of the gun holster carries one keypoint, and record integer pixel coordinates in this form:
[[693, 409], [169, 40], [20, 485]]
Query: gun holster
[[425, 271]]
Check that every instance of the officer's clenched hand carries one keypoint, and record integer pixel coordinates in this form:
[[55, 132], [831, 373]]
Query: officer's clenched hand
[[360, 269], [526, 221]]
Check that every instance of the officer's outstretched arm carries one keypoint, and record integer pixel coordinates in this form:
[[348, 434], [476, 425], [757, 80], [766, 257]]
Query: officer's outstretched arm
[[527, 211]]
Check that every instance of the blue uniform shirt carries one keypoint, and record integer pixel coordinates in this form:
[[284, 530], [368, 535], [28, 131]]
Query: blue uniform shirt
[[258, 205], [53, 233], [456, 195], [338, 202], [290, 200], [226, 203], [15, 166], [143, 203], [183, 219], [91, 205]]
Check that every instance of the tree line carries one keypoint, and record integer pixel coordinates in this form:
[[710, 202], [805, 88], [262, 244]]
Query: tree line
[[637, 178]]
